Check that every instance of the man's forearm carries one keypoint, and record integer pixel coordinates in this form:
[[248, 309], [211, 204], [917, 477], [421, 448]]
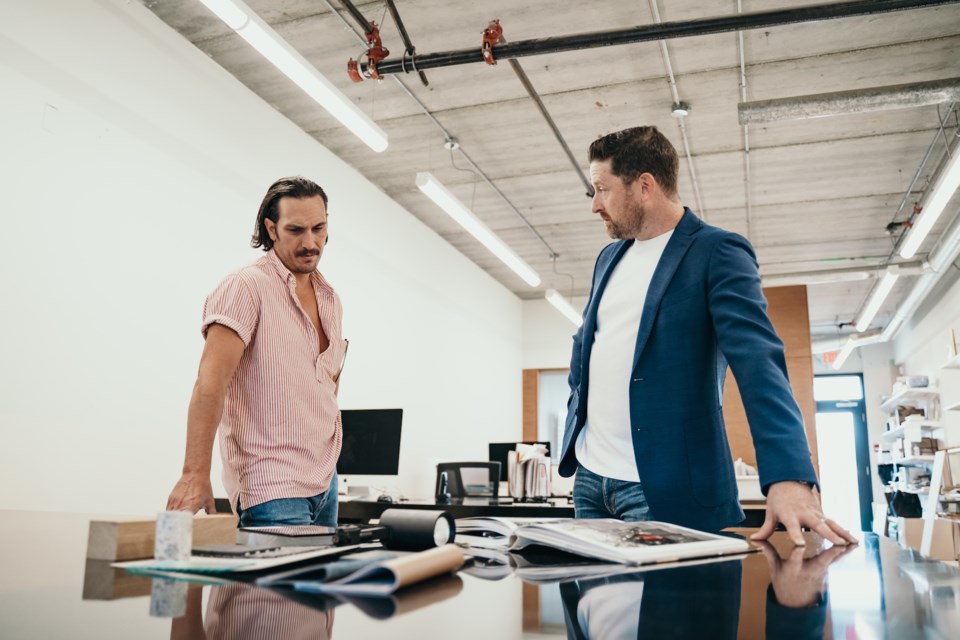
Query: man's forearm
[[203, 418]]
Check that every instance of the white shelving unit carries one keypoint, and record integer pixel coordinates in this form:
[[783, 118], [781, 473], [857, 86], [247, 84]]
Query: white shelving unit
[[910, 396], [940, 477], [900, 448]]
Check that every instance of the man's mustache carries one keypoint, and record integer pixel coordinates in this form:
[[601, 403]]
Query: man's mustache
[[307, 252]]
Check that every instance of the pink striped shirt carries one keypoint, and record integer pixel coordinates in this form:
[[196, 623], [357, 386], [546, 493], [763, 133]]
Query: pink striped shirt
[[252, 613], [280, 433]]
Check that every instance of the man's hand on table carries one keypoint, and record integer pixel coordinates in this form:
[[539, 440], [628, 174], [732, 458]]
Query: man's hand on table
[[192, 493], [795, 505], [797, 581]]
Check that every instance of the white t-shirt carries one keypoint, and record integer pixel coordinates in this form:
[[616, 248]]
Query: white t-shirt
[[611, 611], [605, 445]]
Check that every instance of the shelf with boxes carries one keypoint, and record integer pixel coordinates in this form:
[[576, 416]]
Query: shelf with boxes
[[920, 452], [914, 433], [914, 430], [941, 513]]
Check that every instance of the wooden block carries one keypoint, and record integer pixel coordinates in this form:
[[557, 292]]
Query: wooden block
[[103, 582], [132, 539]]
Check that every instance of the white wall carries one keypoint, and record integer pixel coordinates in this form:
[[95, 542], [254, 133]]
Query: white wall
[[922, 346], [547, 334], [132, 167]]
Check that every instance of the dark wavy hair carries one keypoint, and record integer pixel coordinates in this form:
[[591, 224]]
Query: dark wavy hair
[[292, 187], [639, 150]]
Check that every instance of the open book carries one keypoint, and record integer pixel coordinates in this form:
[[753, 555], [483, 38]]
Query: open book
[[631, 543], [491, 532], [376, 576]]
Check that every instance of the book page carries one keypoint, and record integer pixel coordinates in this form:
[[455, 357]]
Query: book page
[[630, 542]]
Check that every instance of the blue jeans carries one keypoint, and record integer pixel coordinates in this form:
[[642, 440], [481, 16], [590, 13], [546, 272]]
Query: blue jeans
[[319, 510], [598, 497]]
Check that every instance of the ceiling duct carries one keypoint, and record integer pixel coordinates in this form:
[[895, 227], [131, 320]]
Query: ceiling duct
[[901, 96]]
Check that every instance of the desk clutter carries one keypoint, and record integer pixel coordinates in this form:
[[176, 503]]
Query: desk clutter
[[409, 558]]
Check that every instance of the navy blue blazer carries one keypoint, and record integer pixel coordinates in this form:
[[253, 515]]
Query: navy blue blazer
[[704, 310]]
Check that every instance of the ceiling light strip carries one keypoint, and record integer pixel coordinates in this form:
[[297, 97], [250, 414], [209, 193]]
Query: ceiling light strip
[[934, 202], [249, 26], [563, 306], [880, 293], [435, 190]]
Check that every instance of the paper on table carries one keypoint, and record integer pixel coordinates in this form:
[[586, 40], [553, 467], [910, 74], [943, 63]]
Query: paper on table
[[378, 578]]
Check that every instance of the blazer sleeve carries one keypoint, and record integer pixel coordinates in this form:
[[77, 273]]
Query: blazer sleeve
[[755, 353]]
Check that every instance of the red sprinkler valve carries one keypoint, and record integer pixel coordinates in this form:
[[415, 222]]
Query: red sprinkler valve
[[375, 54], [491, 38]]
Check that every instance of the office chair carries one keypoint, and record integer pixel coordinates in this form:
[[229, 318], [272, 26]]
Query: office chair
[[467, 480]]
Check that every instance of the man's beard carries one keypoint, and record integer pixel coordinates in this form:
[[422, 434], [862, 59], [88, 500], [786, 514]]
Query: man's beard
[[629, 228]]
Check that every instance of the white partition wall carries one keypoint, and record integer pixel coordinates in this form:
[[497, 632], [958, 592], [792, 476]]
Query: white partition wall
[[131, 168]]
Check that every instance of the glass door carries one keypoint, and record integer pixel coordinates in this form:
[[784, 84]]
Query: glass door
[[843, 450]]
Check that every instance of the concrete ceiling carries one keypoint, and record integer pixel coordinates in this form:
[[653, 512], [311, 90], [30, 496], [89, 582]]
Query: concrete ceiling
[[813, 194]]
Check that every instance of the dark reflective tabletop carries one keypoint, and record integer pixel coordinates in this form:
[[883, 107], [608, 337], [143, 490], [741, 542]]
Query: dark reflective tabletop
[[872, 590]]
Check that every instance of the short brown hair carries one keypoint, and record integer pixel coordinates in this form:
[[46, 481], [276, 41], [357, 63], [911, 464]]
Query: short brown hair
[[292, 187], [639, 150]]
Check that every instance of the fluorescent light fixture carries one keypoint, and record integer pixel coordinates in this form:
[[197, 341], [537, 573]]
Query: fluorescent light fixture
[[249, 26], [854, 343], [877, 296], [435, 190], [844, 353], [563, 306], [933, 204]]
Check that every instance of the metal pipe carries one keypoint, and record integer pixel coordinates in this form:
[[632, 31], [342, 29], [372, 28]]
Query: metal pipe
[[447, 136], [748, 204], [365, 24], [666, 30], [532, 92], [407, 43], [829, 276], [681, 122], [901, 96]]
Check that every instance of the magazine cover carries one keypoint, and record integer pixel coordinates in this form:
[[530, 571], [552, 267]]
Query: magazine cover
[[626, 542]]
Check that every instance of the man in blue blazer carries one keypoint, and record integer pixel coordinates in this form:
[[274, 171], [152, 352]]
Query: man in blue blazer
[[673, 302]]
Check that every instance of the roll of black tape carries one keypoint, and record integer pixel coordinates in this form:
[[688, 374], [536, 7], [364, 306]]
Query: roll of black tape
[[416, 529]]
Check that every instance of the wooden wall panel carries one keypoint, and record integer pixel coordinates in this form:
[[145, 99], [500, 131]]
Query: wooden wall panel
[[531, 393], [787, 308]]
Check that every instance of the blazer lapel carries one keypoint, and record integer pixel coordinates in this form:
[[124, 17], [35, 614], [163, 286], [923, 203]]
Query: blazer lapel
[[673, 254]]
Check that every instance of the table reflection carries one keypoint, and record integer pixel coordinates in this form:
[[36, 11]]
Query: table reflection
[[244, 611]]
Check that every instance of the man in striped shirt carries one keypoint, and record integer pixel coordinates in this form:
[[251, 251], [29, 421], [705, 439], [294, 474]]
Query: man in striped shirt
[[269, 375]]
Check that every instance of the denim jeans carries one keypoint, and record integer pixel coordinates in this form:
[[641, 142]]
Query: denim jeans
[[320, 510], [597, 497]]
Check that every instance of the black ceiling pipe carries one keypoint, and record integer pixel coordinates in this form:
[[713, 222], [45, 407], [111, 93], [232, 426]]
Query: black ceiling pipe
[[663, 31], [365, 24]]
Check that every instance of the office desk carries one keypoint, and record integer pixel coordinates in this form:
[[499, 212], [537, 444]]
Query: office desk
[[365, 510], [874, 589]]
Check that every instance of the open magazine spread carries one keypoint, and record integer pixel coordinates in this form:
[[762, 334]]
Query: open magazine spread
[[492, 532], [370, 577], [256, 561], [625, 542]]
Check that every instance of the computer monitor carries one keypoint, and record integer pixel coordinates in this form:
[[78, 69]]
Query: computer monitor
[[498, 453], [371, 442]]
